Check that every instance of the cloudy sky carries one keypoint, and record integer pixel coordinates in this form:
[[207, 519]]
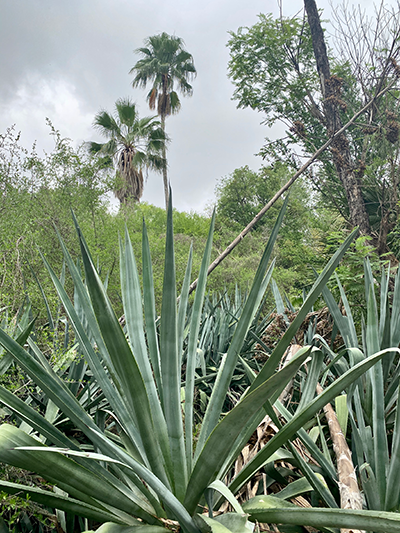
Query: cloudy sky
[[66, 60]]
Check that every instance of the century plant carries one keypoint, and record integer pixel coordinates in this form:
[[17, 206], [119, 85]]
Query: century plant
[[372, 402], [140, 466]]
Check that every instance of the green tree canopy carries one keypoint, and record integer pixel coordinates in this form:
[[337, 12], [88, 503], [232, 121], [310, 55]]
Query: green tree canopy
[[242, 194], [274, 69]]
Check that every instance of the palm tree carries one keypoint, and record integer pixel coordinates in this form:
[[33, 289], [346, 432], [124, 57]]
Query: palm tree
[[164, 62], [135, 144]]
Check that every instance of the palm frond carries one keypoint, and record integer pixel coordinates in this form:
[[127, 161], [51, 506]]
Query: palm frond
[[94, 147], [175, 103], [152, 97], [127, 112], [106, 124]]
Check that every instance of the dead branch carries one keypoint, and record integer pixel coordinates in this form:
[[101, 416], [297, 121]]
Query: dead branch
[[350, 495]]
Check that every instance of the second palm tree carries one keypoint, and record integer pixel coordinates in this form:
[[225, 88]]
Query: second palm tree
[[134, 144]]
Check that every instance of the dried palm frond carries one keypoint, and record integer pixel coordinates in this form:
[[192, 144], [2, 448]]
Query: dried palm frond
[[131, 178]]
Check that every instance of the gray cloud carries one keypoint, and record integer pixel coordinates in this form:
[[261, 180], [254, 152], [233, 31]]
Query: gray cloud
[[67, 59]]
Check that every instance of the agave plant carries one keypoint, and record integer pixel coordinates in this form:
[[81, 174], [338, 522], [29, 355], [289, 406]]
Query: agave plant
[[140, 466], [372, 402]]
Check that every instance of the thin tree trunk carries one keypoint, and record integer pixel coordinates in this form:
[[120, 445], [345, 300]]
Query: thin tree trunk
[[165, 170], [331, 89]]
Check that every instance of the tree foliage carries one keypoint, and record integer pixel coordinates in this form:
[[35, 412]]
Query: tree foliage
[[38, 192], [274, 70], [164, 62], [242, 194]]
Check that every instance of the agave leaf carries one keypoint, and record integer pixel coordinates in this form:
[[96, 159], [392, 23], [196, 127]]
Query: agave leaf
[[342, 412], [393, 486], [84, 311], [344, 323], [347, 308], [269, 509], [310, 385], [192, 343], [226, 523], [280, 306], [114, 452], [220, 487], [183, 302], [295, 488], [381, 452], [226, 371], [384, 322], [132, 301], [150, 311], [395, 318], [370, 485], [49, 499], [46, 302], [21, 338], [170, 365], [111, 527], [301, 418]]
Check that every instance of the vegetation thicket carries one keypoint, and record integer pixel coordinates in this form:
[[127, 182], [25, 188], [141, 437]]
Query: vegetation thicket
[[40, 192]]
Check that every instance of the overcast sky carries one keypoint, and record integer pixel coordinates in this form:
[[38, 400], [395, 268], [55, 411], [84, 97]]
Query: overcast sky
[[66, 60]]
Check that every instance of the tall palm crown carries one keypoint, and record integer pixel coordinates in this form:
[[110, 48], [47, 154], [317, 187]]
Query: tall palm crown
[[164, 62], [134, 144]]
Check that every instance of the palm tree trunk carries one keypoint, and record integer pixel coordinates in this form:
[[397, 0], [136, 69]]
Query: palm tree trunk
[[165, 170]]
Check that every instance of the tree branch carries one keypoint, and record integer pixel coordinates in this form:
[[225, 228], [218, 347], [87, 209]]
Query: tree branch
[[287, 185]]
